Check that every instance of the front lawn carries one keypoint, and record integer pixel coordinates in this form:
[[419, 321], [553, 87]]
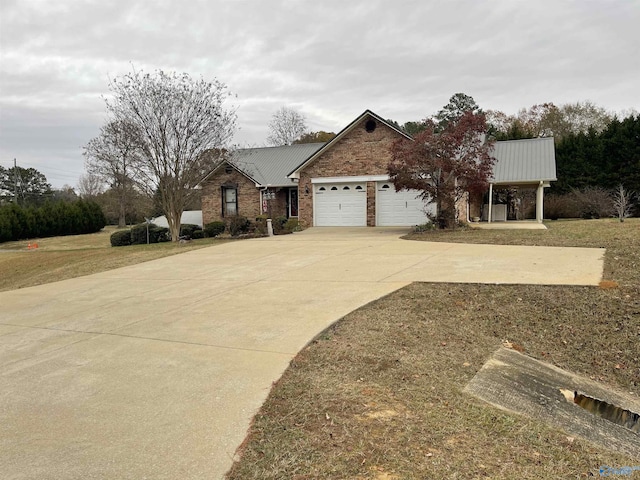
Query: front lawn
[[59, 258], [379, 396]]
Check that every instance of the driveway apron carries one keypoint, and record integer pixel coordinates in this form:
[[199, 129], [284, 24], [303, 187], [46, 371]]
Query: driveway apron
[[155, 370]]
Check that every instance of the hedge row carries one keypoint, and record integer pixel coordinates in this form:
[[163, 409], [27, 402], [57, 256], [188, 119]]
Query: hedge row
[[50, 220], [137, 235]]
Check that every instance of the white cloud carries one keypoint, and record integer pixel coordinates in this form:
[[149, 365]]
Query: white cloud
[[330, 59]]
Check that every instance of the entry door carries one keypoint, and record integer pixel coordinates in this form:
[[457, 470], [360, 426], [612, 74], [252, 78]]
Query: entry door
[[340, 205]]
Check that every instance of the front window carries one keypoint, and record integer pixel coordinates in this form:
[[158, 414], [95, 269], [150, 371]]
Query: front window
[[229, 201]]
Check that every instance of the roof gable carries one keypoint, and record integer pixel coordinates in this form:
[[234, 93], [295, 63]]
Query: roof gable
[[524, 161], [295, 173]]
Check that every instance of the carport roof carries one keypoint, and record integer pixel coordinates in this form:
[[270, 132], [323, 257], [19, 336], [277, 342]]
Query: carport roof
[[524, 161]]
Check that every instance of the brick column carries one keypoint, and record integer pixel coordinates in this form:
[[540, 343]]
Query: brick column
[[371, 204]]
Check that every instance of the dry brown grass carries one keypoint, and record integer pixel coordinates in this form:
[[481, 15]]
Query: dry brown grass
[[59, 258], [379, 395]]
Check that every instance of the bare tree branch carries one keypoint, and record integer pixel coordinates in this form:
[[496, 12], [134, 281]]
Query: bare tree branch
[[286, 126], [623, 202], [111, 156], [177, 119]]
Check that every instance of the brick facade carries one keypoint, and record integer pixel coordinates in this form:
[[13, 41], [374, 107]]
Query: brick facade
[[364, 149], [248, 195], [249, 198], [359, 152]]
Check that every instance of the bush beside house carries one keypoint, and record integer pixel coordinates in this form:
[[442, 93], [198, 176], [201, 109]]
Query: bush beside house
[[214, 229], [137, 235]]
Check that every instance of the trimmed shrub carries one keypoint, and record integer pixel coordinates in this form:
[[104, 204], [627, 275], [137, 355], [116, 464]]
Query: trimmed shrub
[[197, 234], [284, 225], [278, 225], [139, 234], [238, 225], [156, 234], [214, 229], [292, 225], [187, 229], [261, 225], [121, 238]]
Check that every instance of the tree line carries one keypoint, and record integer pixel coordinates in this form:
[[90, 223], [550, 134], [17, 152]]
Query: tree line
[[29, 187], [606, 158], [597, 154], [50, 219]]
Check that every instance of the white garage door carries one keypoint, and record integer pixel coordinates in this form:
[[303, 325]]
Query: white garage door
[[340, 205], [399, 209]]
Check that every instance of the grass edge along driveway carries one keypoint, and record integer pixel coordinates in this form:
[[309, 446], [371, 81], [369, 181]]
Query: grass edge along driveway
[[379, 395]]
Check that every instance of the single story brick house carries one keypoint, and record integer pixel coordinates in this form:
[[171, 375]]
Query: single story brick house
[[343, 182]]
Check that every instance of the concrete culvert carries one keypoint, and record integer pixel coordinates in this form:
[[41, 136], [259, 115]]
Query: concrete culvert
[[580, 406], [608, 411]]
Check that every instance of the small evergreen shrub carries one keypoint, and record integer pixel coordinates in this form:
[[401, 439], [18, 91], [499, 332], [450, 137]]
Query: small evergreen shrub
[[197, 234], [156, 234], [187, 229], [121, 238], [238, 225], [278, 225], [261, 225], [139, 234], [291, 225], [214, 229]]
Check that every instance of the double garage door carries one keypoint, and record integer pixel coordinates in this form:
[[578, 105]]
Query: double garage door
[[345, 204]]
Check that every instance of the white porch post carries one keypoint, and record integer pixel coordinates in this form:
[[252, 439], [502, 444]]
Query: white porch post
[[490, 202], [540, 203]]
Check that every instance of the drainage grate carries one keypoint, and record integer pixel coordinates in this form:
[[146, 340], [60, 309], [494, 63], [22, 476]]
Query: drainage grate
[[608, 411]]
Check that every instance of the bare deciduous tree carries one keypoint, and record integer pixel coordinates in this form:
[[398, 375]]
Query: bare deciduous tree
[[111, 156], [623, 202], [286, 126], [594, 202], [177, 120], [90, 186]]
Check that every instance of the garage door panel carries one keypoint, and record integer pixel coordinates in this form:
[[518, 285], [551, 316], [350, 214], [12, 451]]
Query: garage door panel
[[340, 205], [404, 208]]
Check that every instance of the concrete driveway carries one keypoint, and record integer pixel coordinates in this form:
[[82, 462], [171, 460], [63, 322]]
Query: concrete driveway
[[155, 370]]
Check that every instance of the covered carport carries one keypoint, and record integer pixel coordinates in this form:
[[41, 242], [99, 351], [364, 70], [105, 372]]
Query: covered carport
[[529, 163]]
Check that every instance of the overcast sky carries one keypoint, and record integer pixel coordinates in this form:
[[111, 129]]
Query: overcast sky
[[328, 59]]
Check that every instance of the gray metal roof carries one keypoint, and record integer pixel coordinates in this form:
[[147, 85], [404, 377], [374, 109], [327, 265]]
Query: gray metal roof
[[270, 165], [524, 161]]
